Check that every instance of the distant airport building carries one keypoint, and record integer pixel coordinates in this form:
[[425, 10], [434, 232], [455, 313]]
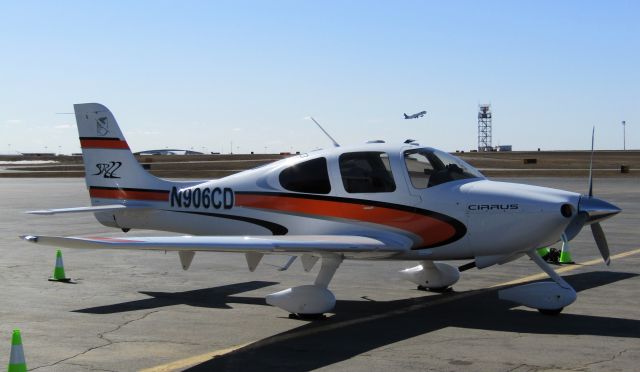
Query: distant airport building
[[168, 152], [504, 148], [37, 153]]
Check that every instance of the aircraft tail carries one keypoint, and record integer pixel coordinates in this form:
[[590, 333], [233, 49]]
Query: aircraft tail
[[406, 116], [111, 170]]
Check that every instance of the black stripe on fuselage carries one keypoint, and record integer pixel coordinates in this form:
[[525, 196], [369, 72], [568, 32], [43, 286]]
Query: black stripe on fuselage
[[273, 227]]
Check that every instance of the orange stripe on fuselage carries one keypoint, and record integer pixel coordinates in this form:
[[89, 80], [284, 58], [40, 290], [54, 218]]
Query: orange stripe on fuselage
[[103, 144], [128, 194], [431, 230]]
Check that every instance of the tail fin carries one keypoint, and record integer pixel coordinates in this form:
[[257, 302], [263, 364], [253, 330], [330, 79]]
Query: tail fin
[[111, 170], [405, 116]]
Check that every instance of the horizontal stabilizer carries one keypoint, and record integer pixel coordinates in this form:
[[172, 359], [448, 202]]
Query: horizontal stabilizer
[[259, 244], [101, 208]]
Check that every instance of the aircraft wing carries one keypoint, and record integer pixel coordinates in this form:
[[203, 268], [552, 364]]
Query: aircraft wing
[[259, 244], [101, 208]]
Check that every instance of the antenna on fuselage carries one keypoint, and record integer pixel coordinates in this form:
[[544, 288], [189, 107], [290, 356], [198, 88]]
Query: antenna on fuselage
[[324, 131]]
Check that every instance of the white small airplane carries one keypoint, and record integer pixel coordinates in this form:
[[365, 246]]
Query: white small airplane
[[375, 201], [415, 116]]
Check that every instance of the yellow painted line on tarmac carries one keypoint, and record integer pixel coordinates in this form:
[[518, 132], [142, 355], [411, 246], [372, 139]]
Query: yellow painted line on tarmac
[[191, 361]]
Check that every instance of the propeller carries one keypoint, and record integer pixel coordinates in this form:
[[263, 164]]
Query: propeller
[[591, 211], [601, 241]]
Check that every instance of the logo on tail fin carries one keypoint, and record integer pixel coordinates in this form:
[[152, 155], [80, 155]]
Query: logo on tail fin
[[108, 170], [102, 127]]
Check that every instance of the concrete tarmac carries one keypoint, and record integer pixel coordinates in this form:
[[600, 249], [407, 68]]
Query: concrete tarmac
[[137, 310]]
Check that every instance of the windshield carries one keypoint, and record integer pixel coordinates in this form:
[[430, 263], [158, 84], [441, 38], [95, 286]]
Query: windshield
[[428, 167]]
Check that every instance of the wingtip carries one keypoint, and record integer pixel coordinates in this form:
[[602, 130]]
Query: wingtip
[[29, 238], [40, 212]]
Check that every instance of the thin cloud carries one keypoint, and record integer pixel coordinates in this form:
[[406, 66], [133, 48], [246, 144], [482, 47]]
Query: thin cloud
[[143, 132], [64, 126], [13, 121]]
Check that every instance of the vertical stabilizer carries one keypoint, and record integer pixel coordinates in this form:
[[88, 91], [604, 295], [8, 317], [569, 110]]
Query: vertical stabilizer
[[111, 170]]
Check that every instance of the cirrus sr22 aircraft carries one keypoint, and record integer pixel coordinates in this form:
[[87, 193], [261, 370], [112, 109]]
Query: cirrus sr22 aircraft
[[376, 201]]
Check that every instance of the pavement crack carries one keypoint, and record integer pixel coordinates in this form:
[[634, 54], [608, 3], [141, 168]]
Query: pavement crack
[[613, 357], [90, 368], [158, 342], [101, 336], [524, 367]]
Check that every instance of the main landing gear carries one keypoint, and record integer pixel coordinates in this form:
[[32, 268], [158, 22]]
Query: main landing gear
[[432, 276], [547, 297], [309, 301]]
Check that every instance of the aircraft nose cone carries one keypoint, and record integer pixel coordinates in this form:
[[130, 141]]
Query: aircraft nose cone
[[597, 209]]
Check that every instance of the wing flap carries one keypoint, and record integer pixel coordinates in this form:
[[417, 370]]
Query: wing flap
[[261, 244]]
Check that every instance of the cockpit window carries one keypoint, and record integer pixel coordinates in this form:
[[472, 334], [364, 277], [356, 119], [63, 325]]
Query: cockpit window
[[310, 177], [364, 172], [428, 167]]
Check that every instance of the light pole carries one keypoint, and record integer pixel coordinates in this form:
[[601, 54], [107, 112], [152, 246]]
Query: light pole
[[624, 135]]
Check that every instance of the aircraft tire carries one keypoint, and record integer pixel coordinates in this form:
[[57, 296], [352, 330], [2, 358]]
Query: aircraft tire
[[551, 311], [307, 316], [436, 290]]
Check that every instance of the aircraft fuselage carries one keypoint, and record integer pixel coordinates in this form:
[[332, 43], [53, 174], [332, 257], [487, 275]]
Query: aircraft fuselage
[[454, 219]]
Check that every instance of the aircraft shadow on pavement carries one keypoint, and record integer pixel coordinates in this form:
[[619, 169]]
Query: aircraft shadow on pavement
[[216, 297], [361, 326]]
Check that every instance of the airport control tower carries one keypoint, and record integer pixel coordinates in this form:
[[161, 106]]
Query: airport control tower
[[484, 128]]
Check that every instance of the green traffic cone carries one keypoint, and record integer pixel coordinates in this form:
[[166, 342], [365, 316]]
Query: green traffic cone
[[565, 257], [16, 361], [58, 271], [543, 252]]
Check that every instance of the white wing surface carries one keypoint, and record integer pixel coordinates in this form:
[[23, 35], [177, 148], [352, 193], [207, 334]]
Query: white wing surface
[[258, 244]]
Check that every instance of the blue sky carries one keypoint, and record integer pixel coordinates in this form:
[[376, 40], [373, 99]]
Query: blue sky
[[205, 74]]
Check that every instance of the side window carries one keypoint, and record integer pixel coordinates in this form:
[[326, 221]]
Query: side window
[[364, 172], [428, 167], [419, 168], [310, 177]]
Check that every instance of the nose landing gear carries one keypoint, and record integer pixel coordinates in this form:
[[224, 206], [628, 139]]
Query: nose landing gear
[[550, 298]]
